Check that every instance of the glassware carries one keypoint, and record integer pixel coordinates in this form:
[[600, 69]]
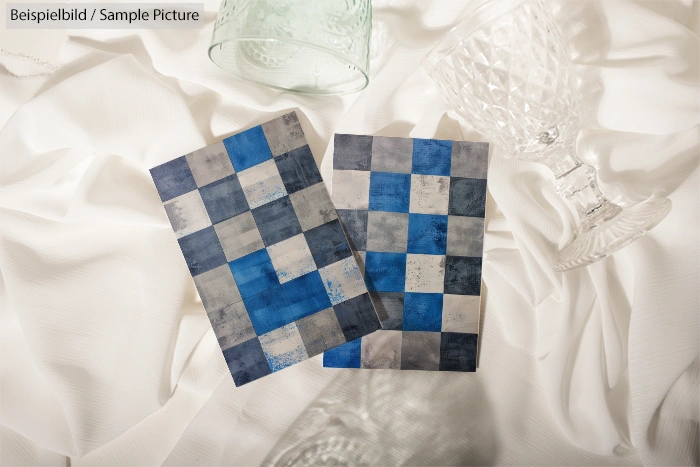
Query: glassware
[[306, 46], [507, 72]]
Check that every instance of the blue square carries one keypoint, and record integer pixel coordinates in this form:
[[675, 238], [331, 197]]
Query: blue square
[[306, 295], [389, 192], [432, 157], [276, 221], [246, 362], [467, 197], [458, 351], [385, 272], [327, 243], [422, 312], [224, 199], [298, 169], [254, 273], [357, 317], [427, 234], [462, 275], [248, 148], [202, 251], [173, 179], [347, 355], [268, 310]]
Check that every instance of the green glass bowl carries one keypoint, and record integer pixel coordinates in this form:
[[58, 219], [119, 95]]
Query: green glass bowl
[[305, 46]]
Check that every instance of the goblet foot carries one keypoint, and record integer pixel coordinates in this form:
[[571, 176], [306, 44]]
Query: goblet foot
[[606, 238]]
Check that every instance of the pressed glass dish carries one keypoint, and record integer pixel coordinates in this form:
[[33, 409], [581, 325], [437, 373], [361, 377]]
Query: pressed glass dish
[[507, 72], [305, 46]]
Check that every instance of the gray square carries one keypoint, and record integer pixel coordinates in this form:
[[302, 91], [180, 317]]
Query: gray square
[[231, 325], [389, 307], [217, 288], [392, 154], [320, 332], [239, 236], [313, 206], [284, 134], [381, 350], [355, 225], [360, 258], [387, 231], [420, 351], [210, 164], [352, 152], [465, 236], [470, 160]]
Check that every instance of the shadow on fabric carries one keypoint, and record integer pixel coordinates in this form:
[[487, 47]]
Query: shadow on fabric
[[367, 417]]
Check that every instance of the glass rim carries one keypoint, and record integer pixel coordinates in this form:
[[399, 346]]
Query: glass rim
[[362, 70], [481, 15]]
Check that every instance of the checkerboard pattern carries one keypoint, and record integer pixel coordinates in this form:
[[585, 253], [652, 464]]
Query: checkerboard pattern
[[265, 247], [414, 212]]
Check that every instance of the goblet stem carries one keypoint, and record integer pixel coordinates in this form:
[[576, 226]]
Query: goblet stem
[[605, 227], [577, 183]]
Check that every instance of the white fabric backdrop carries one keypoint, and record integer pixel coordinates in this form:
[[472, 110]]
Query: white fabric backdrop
[[107, 357]]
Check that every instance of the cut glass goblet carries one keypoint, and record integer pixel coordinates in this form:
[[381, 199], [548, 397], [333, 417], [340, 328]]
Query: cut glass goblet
[[507, 72]]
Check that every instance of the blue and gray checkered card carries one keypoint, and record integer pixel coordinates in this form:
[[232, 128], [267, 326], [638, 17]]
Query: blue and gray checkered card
[[414, 212], [267, 252]]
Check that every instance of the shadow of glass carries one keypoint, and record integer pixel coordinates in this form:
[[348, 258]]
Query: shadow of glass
[[384, 417]]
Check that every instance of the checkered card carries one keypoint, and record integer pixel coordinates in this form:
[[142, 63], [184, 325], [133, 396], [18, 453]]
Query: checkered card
[[266, 249], [414, 212]]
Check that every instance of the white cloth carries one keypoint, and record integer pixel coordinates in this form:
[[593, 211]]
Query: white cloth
[[107, 356]]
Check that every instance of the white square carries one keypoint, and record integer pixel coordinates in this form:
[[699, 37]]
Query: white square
[[381, 350], [291, 258], [425, 273], [351, 189], [342, 280], [187, 214], [262, 183], [430, 194], [460, 313], [283, 347]]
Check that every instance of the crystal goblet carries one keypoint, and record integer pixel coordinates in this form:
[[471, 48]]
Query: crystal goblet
[[507, 72]]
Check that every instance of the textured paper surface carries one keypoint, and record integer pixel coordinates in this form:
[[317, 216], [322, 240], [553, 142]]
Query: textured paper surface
[[414, 212], [264, 244]]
